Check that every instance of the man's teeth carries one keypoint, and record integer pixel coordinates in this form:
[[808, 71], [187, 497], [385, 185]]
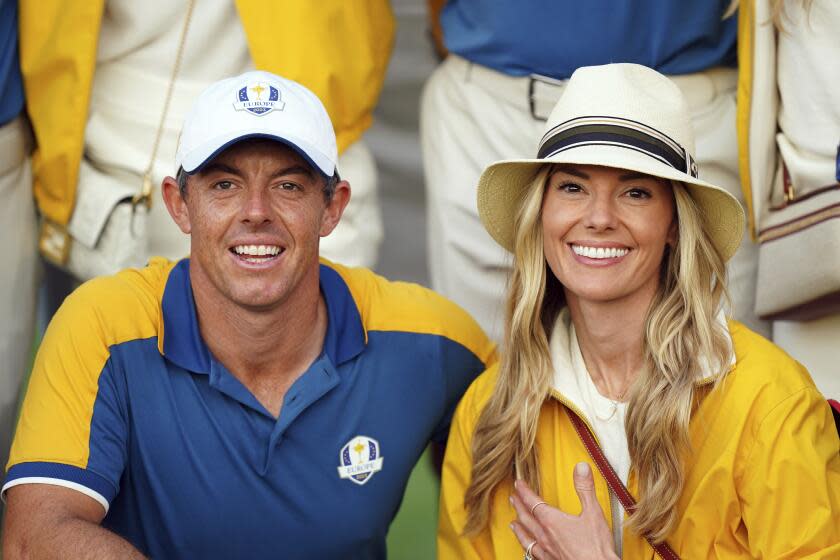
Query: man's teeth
[[599, 252], [257, 250]]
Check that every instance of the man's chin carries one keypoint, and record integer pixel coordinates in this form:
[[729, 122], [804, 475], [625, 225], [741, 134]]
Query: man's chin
[[258, 299]]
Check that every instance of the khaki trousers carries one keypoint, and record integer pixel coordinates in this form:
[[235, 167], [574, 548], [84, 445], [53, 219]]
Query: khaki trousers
[[18, 280]]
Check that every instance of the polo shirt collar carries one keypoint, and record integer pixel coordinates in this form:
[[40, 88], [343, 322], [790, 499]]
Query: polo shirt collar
[[181, 341]]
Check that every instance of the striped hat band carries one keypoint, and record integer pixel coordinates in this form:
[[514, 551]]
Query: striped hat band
[[614, 131]]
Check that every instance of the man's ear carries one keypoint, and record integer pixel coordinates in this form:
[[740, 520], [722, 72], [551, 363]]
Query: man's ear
[[176, 204], [335, 208]]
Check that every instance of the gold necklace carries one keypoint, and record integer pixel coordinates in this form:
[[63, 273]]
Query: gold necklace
[[614, 404]]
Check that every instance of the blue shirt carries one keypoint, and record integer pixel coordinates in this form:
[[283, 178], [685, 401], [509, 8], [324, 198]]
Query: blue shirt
[[11, 83], [554, 37], [127, 405]]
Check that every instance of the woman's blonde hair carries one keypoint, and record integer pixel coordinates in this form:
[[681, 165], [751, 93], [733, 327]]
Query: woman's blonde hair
[[681, 334]]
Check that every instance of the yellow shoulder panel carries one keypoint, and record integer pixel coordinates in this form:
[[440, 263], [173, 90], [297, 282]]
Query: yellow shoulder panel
[[54, 424], [406, 307]]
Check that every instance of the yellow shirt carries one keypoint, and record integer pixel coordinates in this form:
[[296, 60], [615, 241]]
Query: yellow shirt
[[337, 49], [762, 479]]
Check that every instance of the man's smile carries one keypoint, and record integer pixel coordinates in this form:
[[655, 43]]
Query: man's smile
[[257, 254]]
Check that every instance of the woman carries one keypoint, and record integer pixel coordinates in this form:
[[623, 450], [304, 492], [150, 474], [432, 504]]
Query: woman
[[614, 316]]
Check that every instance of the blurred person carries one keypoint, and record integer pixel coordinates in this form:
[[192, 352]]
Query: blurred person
[[789, 112], [249, 401], [18, 228], [506, 68], [108, 65], [616, 328]]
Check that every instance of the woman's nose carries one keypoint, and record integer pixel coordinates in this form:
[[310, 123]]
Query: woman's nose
[[600, 213]]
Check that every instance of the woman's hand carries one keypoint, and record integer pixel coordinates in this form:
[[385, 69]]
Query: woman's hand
[[558, 535]]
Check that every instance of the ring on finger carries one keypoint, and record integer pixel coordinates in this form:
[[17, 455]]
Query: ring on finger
[[535, 506], [528, 551]]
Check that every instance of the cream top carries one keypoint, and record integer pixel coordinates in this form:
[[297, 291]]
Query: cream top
[[605, 416]]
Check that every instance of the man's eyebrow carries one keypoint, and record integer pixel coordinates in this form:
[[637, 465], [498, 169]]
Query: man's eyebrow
[[219, 167], [572, 171], [293, 170]]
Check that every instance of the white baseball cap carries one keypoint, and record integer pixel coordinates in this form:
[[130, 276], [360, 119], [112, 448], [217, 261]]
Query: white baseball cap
[[257, 105]]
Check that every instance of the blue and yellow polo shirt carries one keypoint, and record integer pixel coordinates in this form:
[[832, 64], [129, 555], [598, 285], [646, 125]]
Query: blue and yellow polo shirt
[[127, 405]]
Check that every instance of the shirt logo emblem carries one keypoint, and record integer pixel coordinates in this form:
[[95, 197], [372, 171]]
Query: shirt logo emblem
[[259, 98], [359, 459]]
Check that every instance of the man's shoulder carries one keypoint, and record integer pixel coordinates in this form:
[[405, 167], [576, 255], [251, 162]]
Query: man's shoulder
[[117, 308], [386, 305], [477, 396]]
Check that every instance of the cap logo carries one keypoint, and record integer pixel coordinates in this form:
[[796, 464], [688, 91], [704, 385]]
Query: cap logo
[[259, 98]]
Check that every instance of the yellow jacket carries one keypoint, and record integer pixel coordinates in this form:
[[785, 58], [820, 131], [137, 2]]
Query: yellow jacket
[[762, 480], [338, 49]]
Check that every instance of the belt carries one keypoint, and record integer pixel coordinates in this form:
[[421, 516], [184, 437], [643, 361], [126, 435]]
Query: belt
[[536, 94]]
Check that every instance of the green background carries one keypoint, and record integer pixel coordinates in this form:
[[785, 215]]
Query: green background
[[412, 534]]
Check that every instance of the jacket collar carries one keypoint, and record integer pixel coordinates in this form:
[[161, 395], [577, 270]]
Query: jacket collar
[[564, 352], [181, 341]]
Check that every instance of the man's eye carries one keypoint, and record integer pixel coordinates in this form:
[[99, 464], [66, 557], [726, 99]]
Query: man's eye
[[288, 186], [223, 185]]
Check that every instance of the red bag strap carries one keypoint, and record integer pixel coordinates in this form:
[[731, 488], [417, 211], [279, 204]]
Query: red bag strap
[[613, 481], [835, 411]]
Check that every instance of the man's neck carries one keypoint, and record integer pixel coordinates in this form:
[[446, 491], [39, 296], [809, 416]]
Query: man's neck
[[267, 350]]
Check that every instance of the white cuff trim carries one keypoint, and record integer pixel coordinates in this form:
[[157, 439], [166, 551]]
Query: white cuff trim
[[56, 482]]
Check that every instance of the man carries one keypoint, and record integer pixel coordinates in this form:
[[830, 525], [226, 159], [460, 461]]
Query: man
[[249, 401]]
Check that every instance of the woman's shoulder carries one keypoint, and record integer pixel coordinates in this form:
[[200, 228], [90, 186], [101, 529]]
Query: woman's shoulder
[[763, 370], [754, 352]]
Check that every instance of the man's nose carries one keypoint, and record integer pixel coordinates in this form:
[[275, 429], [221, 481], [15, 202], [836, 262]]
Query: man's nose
[[257, 206]]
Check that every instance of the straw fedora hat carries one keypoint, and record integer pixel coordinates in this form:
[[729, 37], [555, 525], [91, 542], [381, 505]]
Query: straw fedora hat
[[625, 116]]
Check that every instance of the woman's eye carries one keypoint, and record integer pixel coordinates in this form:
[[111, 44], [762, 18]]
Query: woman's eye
[[638, 193], [570, 187]]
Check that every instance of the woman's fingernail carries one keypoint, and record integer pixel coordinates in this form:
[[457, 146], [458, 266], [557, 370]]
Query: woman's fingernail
[[582, 469]]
